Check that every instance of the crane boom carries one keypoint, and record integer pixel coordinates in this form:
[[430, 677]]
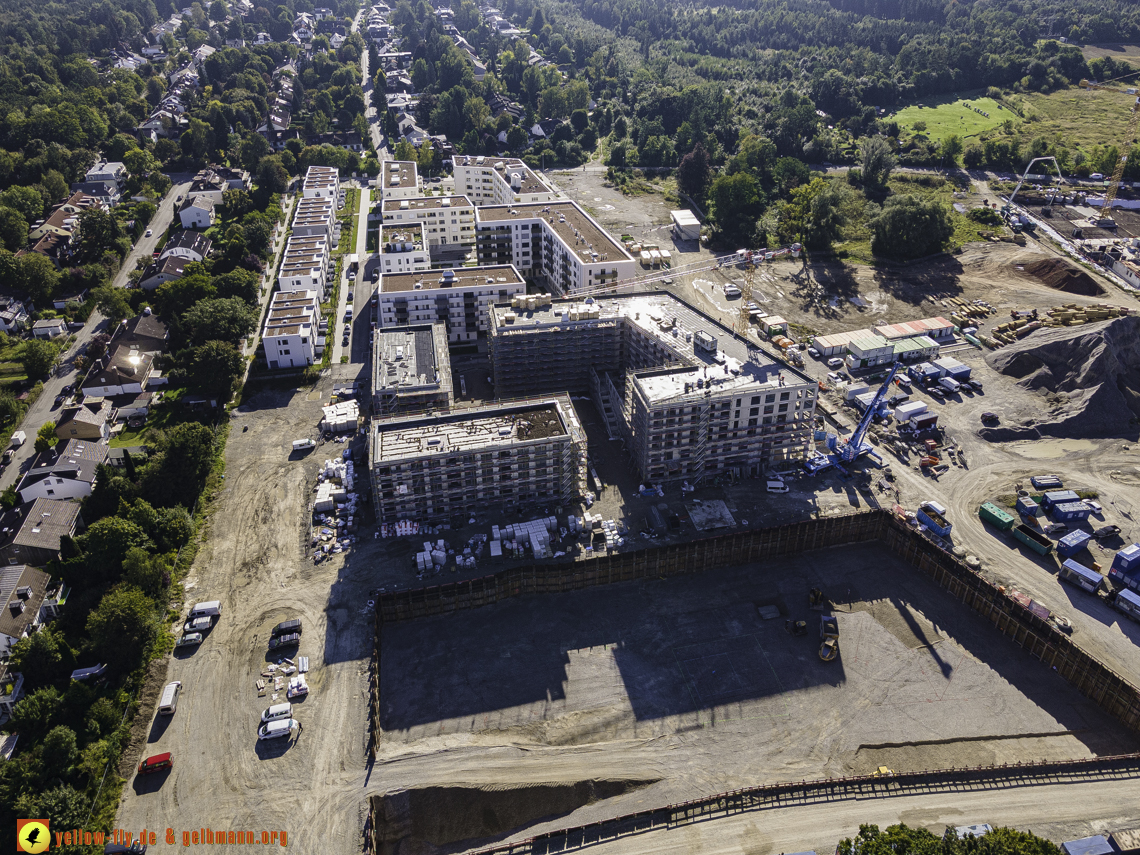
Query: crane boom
[[1118, 172], [854, 446]]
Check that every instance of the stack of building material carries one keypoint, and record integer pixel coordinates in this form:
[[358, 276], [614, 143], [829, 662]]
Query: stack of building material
[[342, 417]]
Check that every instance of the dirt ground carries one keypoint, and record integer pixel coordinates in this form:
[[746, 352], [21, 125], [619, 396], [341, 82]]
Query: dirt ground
[[588, 692]]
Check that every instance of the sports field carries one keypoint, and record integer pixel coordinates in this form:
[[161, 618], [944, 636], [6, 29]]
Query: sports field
[[955, 117]]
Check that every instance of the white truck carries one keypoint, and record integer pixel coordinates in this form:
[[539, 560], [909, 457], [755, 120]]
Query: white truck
[[18, 439], [303, 444]]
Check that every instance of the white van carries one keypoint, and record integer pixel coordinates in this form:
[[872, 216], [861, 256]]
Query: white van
[[211, 609], [950, 384], [276, 729], [168, 703], [778, 487], [277, 712]]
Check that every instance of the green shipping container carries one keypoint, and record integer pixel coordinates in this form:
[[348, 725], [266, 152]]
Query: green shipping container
[[994, 515]]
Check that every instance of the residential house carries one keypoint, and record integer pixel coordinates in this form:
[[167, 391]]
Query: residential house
[[22, 591], [349, 140], [123, 371], [188, 245], [277, 139], [106, 192], [111, 171], [197, 213], [278, 119], [201, 54], [32, 534], [88, 420], [65, 217], [49, 328], [66, 472], [58, 247], [13, 314], [139, 408], [290, 337], [162, 271], [144, 332]]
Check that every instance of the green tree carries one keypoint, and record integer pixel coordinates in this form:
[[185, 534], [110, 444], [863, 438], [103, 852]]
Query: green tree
[[98, 232], [735, 204], [271, 175], [694, 172], [106, 543], [952, 148], [877, 161], [240, 283], [26, 200], [112, 303], [37, 358], [13, 229], [178, 472], [214, 367], [221, 319], [909, 226], [102, 718], [37, 277], [146, 572], [11, 409], [789, 173], [33, 716], [60, 750], [45, 437], [41, 657], [903, 840], [814, 215], [122, 626]]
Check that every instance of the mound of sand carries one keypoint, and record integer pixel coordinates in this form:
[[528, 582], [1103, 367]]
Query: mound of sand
[[1088, 378], [1064, 277]]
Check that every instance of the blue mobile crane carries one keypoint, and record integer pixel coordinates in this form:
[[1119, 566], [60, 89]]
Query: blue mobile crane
[[849, 450]]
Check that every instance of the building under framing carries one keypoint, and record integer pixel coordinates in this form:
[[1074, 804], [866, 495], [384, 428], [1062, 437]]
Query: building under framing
[[689, 398], [518, 454], [411, 370]]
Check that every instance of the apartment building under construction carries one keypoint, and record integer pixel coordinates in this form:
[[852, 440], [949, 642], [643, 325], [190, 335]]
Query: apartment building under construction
[[690, 399], [521, 454]]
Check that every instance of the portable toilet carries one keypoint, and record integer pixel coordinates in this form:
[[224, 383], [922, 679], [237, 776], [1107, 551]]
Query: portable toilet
[[1072, 543], [1071, 512], [1027, 507], [1125, 563], [1058, 497]]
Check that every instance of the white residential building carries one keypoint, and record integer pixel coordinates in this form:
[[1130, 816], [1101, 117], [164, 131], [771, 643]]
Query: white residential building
[[399, 179], [67, 473], [190, 246], [499, 181], [557, 243], [460, 298], [305, 265], [448, 221], [321, 182], [197, 213], [290, 336], [314, 218], [402, 249]]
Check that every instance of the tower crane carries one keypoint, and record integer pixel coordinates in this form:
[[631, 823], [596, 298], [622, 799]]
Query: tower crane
[[1118, 171]]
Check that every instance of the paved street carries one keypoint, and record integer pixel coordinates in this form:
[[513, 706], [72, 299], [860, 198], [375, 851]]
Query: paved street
[[45, 408]]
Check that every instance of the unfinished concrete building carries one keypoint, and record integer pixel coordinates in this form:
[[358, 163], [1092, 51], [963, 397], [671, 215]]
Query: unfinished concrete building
[[690, 399], [523, 454], [411, 371]]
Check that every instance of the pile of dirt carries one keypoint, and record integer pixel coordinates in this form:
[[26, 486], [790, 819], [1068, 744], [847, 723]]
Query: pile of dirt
[[1088, 378], [434, 820], [1063, 276]]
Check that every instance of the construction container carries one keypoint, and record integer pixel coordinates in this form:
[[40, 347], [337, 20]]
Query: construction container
[[1072, 543], [1096, 845], [1058, 497], [853, 391], [1070, 512], [949, 367], [923, 371], [1027, 507], [1034, 539], [1081, 576], [924, 421], [1128, 602], [906, 412], [934, 521], [1125, 564], [995, 516]]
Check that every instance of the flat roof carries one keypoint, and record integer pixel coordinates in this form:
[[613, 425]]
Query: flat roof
[[399, 173], [401, 233], [530, 182], [411, 359], [459, 279], [399, 438], [426, 203], [670, 320], [684, 217], [569, 222]]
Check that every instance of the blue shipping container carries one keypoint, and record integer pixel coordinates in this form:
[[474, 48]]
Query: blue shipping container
[[1027, 507], [1058, 497], [1071, 512], [1073, 543], [1127, 558]]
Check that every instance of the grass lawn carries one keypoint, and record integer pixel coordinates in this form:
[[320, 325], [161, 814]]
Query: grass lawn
[[947, 117], [856, 239], [161, 417], [1078, 117], [1120, 53]]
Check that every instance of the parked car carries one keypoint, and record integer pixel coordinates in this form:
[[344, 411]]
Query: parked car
[[350, 296], [835, 362], [189, 639], [149, 232], [157, 763], [287, 626], [376, 275], [290, 640], [199, 624], [277, 712], [1106, 531], [276, 729], [834, 377], [935, 392], [351, 275], [1055, 528], [813, 352], [1097, 509], [344, 341]]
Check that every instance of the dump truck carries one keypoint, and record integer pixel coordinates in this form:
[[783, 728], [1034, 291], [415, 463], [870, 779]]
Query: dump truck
[[934, 521], [1034, 539], [829, 633]]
